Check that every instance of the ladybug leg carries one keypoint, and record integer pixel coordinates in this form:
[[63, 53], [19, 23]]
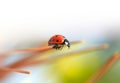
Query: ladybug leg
[[61, 47], [56, 47]]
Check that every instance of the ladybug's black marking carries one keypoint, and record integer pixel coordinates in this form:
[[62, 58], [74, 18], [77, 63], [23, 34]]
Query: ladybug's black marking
[[56, 36]]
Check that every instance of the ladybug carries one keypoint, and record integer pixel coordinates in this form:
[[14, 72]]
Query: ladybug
[[58, 41]]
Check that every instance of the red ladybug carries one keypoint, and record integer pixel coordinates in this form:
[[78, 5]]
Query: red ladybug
[[58, 41]]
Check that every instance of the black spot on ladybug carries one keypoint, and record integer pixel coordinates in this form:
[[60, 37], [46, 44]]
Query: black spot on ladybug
[[57, 40], [56, 36]]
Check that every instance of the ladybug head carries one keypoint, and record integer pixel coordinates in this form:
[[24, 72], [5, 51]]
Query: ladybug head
[[66, 42]]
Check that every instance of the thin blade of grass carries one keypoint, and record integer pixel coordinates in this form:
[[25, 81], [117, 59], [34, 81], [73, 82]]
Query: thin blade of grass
[[39, 49], [14, 70], [32, 50], [109, 63], [77, 42]]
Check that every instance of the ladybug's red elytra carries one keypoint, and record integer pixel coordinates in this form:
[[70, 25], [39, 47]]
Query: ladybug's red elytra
[[58, 41]]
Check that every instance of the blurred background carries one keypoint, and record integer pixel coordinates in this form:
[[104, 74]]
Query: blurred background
[[30, 23]]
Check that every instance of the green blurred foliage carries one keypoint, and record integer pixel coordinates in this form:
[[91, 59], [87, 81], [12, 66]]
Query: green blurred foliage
[[111, 76], [78, 69]]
